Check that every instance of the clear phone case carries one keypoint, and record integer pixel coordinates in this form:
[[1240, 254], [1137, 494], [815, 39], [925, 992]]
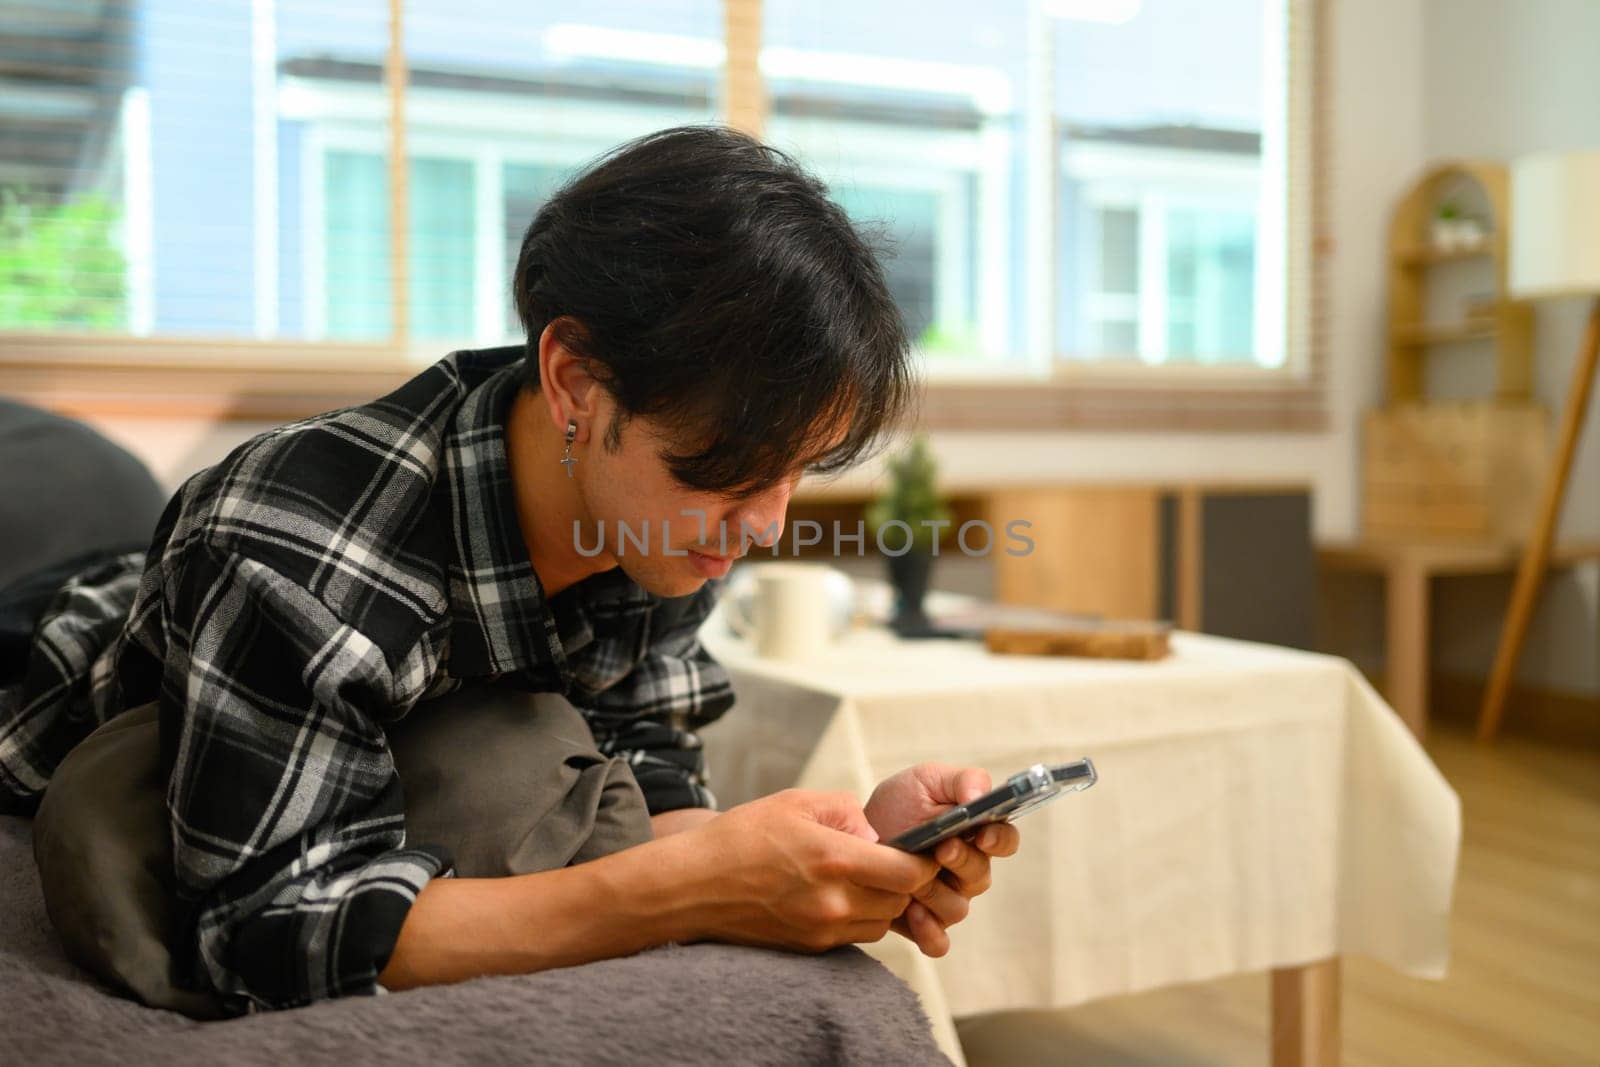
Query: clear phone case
[[1021, 793]]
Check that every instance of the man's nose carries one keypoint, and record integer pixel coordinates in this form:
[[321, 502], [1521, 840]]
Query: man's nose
[[762, 515]]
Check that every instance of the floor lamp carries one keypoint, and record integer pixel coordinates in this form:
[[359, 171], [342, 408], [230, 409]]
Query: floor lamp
[[1555, 252]]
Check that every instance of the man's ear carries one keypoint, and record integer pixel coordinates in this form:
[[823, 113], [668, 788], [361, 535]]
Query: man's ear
[[570, 392]]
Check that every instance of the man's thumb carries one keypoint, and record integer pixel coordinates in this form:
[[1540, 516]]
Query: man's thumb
[[954, 785]]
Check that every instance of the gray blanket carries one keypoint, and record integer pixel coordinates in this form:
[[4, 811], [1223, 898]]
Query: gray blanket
[[681, 1004]]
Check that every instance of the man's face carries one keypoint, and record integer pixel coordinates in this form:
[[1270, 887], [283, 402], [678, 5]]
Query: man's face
[[632, 489]]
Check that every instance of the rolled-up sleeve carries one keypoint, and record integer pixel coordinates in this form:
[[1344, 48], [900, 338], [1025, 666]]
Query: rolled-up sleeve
[[286, 813]]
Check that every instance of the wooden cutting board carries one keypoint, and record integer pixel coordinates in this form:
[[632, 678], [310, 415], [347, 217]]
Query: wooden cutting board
[[1097, 640]]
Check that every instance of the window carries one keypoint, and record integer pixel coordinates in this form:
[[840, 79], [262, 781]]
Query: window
[[1111, 292], [499, 112], [1079, 190], [1164, 276], [1209, 303], [1169, 119], [920, 135], [524, 189], [233, 180], [1067, 182]]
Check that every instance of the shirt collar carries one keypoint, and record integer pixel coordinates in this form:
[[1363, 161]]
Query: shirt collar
[[501, 620]]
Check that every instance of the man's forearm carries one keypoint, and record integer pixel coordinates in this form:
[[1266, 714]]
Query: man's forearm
[[460, 928], [680, 819]]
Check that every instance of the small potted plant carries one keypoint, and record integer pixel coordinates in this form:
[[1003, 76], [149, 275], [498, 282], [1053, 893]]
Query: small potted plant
[[1454, 230], [907, 522], [1444, 225]]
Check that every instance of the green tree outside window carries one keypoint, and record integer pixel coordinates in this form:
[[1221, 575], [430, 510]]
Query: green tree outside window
[[60, 267]]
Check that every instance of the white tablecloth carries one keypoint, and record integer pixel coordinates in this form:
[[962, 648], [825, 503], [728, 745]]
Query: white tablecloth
[[1257, 807]]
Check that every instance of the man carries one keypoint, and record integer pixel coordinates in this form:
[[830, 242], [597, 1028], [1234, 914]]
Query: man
[[703, 326]]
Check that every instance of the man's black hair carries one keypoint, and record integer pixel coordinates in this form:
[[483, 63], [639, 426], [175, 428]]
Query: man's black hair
[[710, 283]]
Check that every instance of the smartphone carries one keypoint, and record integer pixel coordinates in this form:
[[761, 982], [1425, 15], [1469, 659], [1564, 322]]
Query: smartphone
[[1021, 794]]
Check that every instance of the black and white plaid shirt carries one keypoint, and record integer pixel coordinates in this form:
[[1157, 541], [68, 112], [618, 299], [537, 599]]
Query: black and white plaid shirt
[[299, 597]]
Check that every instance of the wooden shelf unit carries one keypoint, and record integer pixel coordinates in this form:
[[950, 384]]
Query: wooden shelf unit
[[1411, 255], [1453, 468]]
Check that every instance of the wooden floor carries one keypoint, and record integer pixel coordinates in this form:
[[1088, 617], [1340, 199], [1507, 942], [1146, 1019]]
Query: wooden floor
[[1524, 982]]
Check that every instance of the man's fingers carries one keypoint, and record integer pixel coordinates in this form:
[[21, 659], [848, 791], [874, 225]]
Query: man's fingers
[[864, 933], [926, 931], [947, 904], [876, 904], [882, 867], [999, 839], [969, 866]]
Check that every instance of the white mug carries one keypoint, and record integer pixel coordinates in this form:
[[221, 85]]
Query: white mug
[[794, 612]]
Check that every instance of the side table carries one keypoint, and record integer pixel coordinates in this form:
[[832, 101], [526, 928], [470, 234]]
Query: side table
[[1407, 568]]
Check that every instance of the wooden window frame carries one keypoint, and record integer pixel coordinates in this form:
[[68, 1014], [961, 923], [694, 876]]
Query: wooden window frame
[[232, 378]]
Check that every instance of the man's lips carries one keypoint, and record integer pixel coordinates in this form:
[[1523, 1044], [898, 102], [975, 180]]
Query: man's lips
[[718, 558], [708, 565]]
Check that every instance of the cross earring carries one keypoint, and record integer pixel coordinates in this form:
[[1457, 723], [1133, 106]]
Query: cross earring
[[567, 459]]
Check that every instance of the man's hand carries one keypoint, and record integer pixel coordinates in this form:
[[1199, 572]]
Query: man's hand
[[914, 796], [798, 870]]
